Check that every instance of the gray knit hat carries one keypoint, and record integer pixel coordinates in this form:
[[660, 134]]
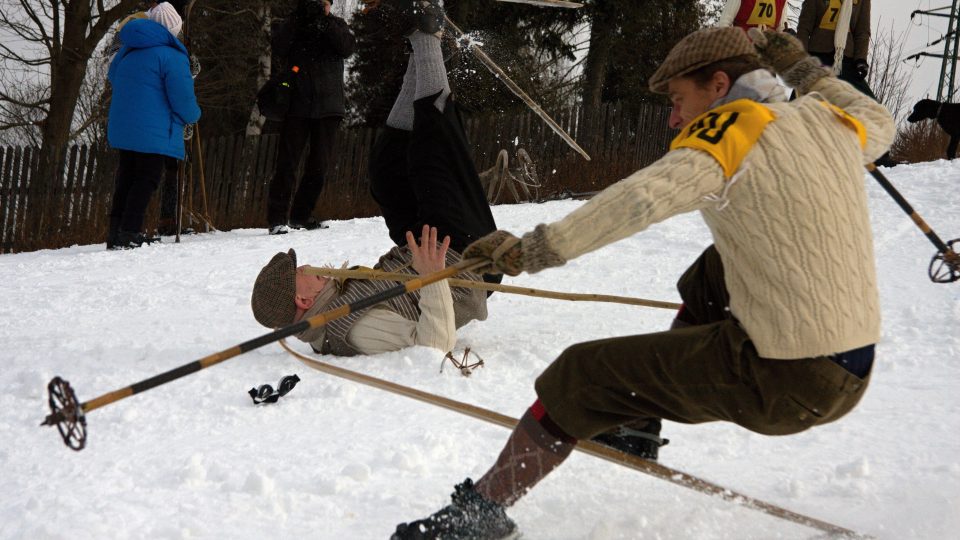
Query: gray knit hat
[[275, 291], [701, 48]]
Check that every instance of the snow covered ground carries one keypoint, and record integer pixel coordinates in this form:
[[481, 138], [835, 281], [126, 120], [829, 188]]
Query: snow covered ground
[[336, 460]]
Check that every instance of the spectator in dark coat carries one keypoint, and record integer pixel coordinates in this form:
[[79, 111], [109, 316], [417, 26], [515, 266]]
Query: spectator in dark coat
[[314, 43], [816, 28], [152, 100]]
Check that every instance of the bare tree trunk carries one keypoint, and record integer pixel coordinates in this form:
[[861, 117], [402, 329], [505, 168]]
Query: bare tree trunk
[[602, 34], [264, 65], [67, 68]]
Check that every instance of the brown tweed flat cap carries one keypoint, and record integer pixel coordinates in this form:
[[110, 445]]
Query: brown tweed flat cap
[[274, 291], [703, 47]]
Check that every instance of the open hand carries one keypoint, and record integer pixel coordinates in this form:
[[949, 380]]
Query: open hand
[[428, 257]]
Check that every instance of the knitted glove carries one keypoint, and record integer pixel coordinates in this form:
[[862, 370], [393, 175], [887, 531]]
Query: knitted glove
[[503, 251], [511, 255], [862, 67], [787, 57]]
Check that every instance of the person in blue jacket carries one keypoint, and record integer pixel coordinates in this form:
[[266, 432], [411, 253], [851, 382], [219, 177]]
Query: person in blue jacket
[[153, 99]]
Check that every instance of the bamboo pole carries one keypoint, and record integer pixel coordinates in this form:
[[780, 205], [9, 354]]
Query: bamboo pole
[[499, 73], [366, 273]]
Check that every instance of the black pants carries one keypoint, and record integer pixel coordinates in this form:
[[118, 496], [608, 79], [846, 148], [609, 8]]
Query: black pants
[[168, 190], [708, 371], [426, 176], [295, 133], [138, 175]]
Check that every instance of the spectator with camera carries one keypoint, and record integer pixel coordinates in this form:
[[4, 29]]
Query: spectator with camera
[[309, 47]]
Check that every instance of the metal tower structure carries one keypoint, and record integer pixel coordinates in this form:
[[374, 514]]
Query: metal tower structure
[[951, 43]]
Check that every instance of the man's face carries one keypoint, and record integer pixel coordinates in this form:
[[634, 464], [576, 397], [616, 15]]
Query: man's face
[[690, 100], [309, 286]]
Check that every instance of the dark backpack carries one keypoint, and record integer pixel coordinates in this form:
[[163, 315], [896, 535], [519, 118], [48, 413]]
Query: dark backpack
[[275, 96]]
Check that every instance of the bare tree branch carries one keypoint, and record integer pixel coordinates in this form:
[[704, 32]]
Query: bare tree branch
[[888, 78], [15, 125], [10, 99]]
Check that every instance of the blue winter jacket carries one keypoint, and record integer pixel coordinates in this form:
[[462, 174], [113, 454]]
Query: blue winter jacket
[[152, 91]]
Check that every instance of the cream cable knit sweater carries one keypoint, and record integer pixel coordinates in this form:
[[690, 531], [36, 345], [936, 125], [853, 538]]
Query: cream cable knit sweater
[[795, 238]]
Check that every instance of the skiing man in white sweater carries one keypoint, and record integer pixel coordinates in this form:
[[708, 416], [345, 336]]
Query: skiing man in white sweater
[[780, 319]]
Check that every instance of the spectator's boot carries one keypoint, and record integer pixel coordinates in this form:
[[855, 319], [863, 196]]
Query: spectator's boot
[[468, 517], [644, 442], [309, 225], [132, 240], [112, 231]]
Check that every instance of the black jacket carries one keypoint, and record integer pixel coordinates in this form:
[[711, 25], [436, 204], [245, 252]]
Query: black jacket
[[317, 45]]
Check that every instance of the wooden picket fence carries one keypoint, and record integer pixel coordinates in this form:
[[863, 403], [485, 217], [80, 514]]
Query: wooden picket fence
[[237, 170]]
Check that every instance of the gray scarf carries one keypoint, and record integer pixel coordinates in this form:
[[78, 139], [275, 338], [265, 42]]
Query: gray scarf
[[759, 85]]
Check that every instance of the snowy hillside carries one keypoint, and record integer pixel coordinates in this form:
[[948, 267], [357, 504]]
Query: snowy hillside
[[336, 460]]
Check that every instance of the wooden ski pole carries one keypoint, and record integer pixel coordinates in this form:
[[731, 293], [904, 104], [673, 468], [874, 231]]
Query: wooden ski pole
[[594, 449], [515, 88], [364, 273], [948, 269], [181, 172], [69, 416], [203, 185]]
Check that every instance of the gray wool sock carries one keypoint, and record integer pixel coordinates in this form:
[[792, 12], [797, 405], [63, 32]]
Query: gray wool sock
[[401, 115], [431, 73]]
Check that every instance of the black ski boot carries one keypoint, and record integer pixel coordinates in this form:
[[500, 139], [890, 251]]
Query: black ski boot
[[644, 443], [310, 224], [468, 517], [132, 240]]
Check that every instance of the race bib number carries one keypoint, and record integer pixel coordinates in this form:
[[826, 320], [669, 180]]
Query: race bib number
[[765, 13], [829, 20], [727, 133], [849, 121]]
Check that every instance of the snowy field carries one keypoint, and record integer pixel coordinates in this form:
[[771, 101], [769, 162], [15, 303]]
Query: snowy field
[[337, 460]]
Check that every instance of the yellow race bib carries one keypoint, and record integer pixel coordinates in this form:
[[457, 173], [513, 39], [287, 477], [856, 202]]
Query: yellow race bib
[[829, 20], [727, 133], [764, 13], [849, 121]]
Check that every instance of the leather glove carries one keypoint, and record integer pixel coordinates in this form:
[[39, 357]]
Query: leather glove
[[511, 255], [787, 57], [503, 251], [862, 67]]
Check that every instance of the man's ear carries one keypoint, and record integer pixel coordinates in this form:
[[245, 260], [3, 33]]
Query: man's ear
[[721, 82], [303, 303]]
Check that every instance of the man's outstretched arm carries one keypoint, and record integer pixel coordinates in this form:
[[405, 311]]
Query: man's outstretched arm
[[382, 330]]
